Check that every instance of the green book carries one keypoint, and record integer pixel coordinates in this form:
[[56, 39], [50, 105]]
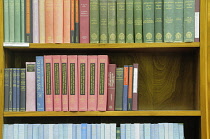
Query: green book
[[158, 21], [178, 21], [189, 20], [148, 21], [120, 21], [17, 21], [119, 89], [94, 21], [22, 20], [112, 15], [103, 21], [129, 21], [138, 21], [118, 133], [6, 20], [168, 20], [11, 20]]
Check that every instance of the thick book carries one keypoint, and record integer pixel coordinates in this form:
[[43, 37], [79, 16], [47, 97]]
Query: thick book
[[29, 21], [94, 21], [112, 23], [35, 21], [138, 25], [22, 89], [64, 85], [17, 21], [103, 62], [158, 21], [11, 20], [10, 88], [30, 86], [197, 21], [119, 89], [18, 89], [178, 21], [92, 82], [135, 87], [6, 88], [130, 88], [49, 21], [111, 87], [125, 88], [76, 21], [42, 21], [40, 83], [103, 6], [72, 16], [120, 21], [14, 89], [66, 20], [6, 21], [58, 21], [129, 21]]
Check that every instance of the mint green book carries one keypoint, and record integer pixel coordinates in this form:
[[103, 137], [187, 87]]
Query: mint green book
[[148, 21], [129, 21], [94, 21], [103, 21], [158, 20], [112, 15], [11, 20], [22, 20], [17, 21], [168, 20], [6, 20], [189, 20], [138, 21], [120, 21], [178, 21]]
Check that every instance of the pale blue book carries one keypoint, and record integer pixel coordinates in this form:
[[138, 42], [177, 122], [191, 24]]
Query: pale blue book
[[41, 131], [70, 131], [137, 131], [141, 131], [79, 131], [55, 131], [161, 131], [89, 131], [30, 131], [84, 130], [74, 131], [94, 131], [152, 131], [170, 131], [98, 131], [65, 131], [16, 131], [156, 131], [128, 131], [46, 131], [122, 131], [113, 130], [51, 126], [181, 130], [107, 131], [5, 133], [60, 131], [132, 131], [166, 128], [10, 131], [25, 131], [176, 130], [102, 131], [36, 131], [146, 131]]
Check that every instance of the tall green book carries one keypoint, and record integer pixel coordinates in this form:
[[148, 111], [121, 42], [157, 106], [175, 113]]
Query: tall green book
[[103, 21], [129, 21], [22, 20], [11, 20], [189, 20], [94, 21], [17, 21], [120, 21], [148, 21], [112, 15], [168, 20], [178, 21], [119, 89], [138, 21], [158, 20], [6, 20]]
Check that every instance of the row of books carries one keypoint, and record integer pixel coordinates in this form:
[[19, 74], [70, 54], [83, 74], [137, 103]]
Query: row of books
[[94, 131], [104, 21], [71, 83]]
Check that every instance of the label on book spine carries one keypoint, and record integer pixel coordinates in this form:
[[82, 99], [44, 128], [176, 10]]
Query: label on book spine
[[94, 21], [178, 21], [112, 15], [138, 21], [129, 21], [6, 21], [120, 21], [103, 21], [158, 21]]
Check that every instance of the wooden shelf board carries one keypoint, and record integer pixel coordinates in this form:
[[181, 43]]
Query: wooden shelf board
[[107, 113]]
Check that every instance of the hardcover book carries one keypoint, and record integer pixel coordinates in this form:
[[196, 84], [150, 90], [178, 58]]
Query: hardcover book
[[22, 89], [6, 21], [18, 89], [178, 21], [35, 21], [17, 21], [125, 88], [22, 20], [14, 89], [72, 16], [94, 21], [58, 21], [76, 31], [66, 20], [64, 83], [130, 88], [6, 88], [197, 20], [129, 21], [49, 21], [112, 25], [120, 21], [119, 89], [135, 87], [10, 88], [11, 20], [158, 21], [103, 6], [138, 25], [29, 21], [42, 21]]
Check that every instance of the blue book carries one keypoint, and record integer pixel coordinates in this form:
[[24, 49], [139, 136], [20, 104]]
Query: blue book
[[10, 89], [30, 131], [152, 131], [60, 131], [46, 131], [141, 131], [25, 131], [156, 132], [113, 127], [161, 131], [147, 131], [84, 130], [41, 131], [98, 131], [14, 89], [15, 131], [79, 131], [94, 131], [122, 131], [65, 131], [132, 131], [51, 127], [128, 131], [125, 89], [74, 131], [40, 83], [35, 131], [18, 89], [55, 131], [176, 130], [5, 133], [10, 131], [70, 131], [89, 131], [102, 131]]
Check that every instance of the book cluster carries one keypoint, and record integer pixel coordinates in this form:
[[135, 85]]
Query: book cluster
[[94, 131], [71, 83], [100, 21]]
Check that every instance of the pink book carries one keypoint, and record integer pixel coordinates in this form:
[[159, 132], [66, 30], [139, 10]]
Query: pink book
[[48, 83], [64, 89], [135, 87], [102, 82], [84, 21], [30, 86], [49, 32], [66, 21], [92, 82], [73, 83], [58, 21], [57, 82], [82, 73], [35, 21]]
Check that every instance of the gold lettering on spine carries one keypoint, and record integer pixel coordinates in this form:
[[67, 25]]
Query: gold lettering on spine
[[64, 79], [56, 79], [48, 79], [92, 79], [82, 79], [101, 86], [72, 79]]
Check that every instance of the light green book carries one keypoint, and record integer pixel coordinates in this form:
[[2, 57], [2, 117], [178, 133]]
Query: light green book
[[120, 21], [22, 20], [17, 21], [112, 15], [158, 20], [6, 20], [12, 20], [103, 21], [179, 21], [129, 21], [138, 21]]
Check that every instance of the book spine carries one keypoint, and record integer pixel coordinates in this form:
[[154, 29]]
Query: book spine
[[49, 30], [30, 86], [72, 28], [111, 87], [112, 25], [133, 131], [64, 89], [130, 88], [65, 131], [6, 21], [98, 131], [189, 20], [161, 130], [27, 22], [35, 21], [113, 130], [22, 20], [166, 128], [58, 21], [48, 83], [21, 131], [178, 21], [74, 131], [57, 82], [15, 131], [42, 21], [6, 88], [55, 131], [147, 131], [197, 21], [79, 136], [129, 21], [137, 7], [82, 72], [84, 21], [35, 131], [12, 20], [60, 131], [175, 130], [92, 83], [148, 21], [30, 131], [73, 83], [66, 20], [46, 131], [135, 87], [10, 88], [120, 21], [102, 131], [17, 21], [94, 21], [102, 80], [10, 130], [119, 89], [89, 131], [70, 131], [18, 88], [5, 131], [181, 130], [94, 130], [170, 130], [84, 131], [118, 133], [107, 131], [31, 21], [136, 131], [51, 131], [125, 88], [141, 131], [40, 83], [14, 89], [128, 131], [122, 131], [158, 21], [103, 6], [156, 132], [22, 89], [25, 131], [76, 38]]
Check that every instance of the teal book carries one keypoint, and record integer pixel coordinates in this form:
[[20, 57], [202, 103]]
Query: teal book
[[22, 20], [6, 21], [118, 133], [129, 21], [94, 21], [189, 20], [103, 21], [12, 20], [148, 21], [112, 25], [119, 89], [168, 20], [178, 21], [17, 21], [158, 20], [138, 21], [120, 21]]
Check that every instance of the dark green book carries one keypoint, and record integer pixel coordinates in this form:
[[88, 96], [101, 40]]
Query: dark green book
[[22, 20], [112, 16], [17, 21], [168, 20], [6, 21], [119, 89], [118, 133], [103, 21], [148, 21], [158, 20], [6, 88], [94, 21], [138, 21], [11, 20], [129, 21], [178, 21], [120, 21], [22, 89]]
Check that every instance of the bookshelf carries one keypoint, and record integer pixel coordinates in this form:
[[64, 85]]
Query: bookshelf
[[182, 98]]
